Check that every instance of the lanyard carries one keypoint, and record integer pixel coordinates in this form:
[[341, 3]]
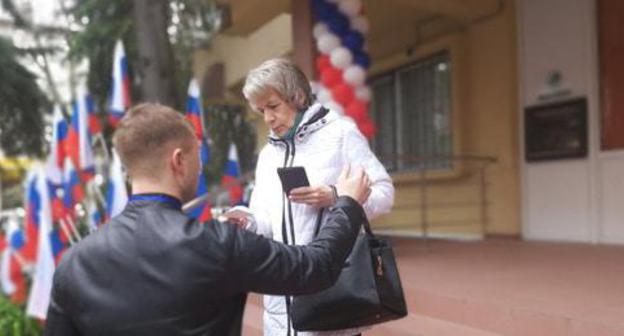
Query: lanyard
[[158, 198]]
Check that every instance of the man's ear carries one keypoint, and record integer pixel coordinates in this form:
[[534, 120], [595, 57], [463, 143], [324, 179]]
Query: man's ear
[[176, 160]]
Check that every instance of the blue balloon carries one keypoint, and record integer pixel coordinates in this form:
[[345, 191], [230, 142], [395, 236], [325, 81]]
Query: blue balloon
[[339, 25], [362, 59], [354, 41], [323, 10]]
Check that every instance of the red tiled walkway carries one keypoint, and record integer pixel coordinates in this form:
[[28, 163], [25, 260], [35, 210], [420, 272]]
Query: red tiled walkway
[[503, 288]]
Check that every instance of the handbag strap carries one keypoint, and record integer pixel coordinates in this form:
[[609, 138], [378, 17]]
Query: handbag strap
[[319, 221]]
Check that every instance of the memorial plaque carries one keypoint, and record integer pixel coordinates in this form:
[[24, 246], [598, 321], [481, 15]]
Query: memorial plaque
[[556, 131]]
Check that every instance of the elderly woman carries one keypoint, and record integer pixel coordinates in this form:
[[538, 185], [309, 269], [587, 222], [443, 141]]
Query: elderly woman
[[303, 133]]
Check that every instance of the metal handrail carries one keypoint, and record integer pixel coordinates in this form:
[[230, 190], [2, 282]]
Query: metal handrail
[[483, 161]]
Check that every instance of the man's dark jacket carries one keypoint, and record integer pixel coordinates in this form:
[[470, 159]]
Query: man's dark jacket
[[152, 271]]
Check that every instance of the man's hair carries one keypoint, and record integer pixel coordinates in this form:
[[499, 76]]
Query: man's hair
[[145, 135], [284, 77]]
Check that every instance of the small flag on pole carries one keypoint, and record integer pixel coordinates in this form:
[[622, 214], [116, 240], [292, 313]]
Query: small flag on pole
[[230, 178], [116, 195], [39, 297], [120, 93], [194, 113]]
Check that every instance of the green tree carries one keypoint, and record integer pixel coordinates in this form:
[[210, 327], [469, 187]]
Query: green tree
[[22, 105], [14, 322]]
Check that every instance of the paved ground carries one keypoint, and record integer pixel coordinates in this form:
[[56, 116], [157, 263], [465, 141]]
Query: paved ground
[[502, 288]]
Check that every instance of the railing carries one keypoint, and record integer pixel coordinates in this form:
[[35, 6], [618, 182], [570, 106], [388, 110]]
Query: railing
[[464, 170]]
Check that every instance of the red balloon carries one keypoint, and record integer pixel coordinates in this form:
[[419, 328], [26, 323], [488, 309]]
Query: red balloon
[[357, 110], [322, 62], [368, 128], [343, 94], [331, 76]]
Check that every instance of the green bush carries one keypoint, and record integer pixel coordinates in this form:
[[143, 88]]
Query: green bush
[[14, 322]]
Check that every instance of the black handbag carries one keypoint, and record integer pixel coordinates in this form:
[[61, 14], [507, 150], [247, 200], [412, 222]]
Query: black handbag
[[368, 291]]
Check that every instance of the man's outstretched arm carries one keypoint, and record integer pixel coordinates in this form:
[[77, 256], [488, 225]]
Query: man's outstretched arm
[[266, 266]]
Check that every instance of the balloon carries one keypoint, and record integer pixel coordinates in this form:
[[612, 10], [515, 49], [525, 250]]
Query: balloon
[[319, 30], [322, 62], [323, 11], [327, 43], [315, 87], [341, 57], [362, 60], [368, 128], [354, 75], [360, 24], [363, 93], [343, 94], [338, 24], [331, 76], [357, 110], [332, 105], [324, 96], [350, 7], [353, 40]]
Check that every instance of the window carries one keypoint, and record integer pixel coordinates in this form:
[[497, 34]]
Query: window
[[412, 109]]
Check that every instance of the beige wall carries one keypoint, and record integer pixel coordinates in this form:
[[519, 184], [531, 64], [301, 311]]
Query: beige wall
[[239, 54], [485, 119], [485, 123]]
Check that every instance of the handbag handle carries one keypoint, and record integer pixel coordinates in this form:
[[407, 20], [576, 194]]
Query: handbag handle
[[365, 224]]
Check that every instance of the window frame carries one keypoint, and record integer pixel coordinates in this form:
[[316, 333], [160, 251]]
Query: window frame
[[454, 46]]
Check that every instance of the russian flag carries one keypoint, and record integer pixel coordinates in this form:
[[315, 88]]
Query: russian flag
[[120, 93], [194, 113], [59, 138], [117, 194], [95, 126], [231, 175], [94, 218], [72, 189], [32, 205], [11, 275], [79, 138], [39, 297]]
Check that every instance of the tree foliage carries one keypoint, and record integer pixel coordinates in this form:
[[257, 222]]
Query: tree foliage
[[226, 124], [14, 322], [22, 105]]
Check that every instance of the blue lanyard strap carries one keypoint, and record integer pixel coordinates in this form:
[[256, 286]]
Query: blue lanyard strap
[[158, 198]]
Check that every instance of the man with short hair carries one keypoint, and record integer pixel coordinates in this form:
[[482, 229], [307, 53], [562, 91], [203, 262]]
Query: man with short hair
[[153, 271]]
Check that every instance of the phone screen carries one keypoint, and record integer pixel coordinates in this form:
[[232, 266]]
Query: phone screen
[[292, 178]]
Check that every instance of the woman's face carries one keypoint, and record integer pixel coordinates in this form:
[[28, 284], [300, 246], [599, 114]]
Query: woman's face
[[278, 114]]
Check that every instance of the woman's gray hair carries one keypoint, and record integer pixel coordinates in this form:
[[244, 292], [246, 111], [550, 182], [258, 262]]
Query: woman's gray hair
[[284, 77]]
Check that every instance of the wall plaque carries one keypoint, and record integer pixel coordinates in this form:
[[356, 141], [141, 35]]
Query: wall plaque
[[556, 131]]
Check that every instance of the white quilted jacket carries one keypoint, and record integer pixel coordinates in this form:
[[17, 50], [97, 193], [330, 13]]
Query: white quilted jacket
[[322, 147]]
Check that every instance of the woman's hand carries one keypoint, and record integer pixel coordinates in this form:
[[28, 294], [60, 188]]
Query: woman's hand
[[316, 196]]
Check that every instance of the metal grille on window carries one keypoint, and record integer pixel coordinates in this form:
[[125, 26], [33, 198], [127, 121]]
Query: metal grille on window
[[412, 108]]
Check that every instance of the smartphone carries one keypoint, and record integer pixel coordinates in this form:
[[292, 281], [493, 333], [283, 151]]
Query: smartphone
[[292, 178]]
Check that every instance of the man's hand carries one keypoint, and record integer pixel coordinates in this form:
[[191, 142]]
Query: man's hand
[[354, 183], [317, 196], [239, 216]]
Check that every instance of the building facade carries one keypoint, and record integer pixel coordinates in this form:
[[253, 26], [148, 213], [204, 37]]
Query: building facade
[[454, 82]]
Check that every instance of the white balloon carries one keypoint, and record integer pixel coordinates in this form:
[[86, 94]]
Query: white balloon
[[350, 7], [327, 43], [341, 57], [360, 23], [363, 93], [354, 75], [332, 105], [324, 95], [315, 87], [319, 30]]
